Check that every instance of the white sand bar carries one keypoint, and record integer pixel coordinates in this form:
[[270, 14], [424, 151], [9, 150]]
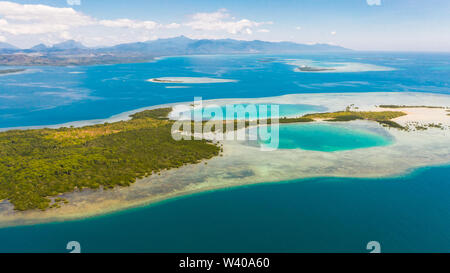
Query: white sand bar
[[309, 66], [185, 80]]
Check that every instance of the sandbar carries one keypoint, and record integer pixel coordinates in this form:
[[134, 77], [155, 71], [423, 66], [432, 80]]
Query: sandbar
[[194, 80], [310, 66]]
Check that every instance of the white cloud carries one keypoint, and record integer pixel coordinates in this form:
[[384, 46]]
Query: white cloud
[[28, 24], [127, 23], [66, 35], [74, 2], [14, 11], [221, 20], [39, 28], [42, 23], [2, 38], [333, 33], [373, 2], [298, 28], [38, 19], [172, 26]]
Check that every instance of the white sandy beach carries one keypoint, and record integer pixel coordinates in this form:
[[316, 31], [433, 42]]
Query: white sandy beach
[[184, 80], [336, 67]]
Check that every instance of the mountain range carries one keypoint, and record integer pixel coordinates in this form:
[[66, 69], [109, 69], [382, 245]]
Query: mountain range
[[67, 45], [7, 46], [73, 52], [183, 45]]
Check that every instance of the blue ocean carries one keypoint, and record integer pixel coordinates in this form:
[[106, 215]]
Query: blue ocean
[[54, 95], [410, 213]]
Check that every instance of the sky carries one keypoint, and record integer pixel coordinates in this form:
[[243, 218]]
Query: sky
[[385, 25]]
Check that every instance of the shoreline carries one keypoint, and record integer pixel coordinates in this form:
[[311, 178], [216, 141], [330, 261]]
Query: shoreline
[[123, 116], [311, 66], [238, 167], [189, 80], [187, 194]]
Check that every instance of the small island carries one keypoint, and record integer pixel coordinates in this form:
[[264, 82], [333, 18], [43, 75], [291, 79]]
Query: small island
[[302, 65], [194, 80], [305, 68], [383, 117], [11, 71], [165, 81], [38, 165]]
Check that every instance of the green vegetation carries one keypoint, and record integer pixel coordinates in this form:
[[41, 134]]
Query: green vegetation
[[435, 125], [159, 113], [383, 117], [408, 106], [391, 124], [416, 126], [294, 120], [245, 123], [369, 115], [38, 165]]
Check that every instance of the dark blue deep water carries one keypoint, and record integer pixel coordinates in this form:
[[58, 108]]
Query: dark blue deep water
[[409, 213]]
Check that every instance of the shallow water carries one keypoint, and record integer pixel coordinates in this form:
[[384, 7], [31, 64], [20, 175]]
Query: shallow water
[[325, 137], [254, 111], [409, 214], [54, 95]]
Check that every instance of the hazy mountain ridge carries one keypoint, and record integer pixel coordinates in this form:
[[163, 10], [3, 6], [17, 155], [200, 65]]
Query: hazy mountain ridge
[[184, 45], [7, 46], [73, 52]]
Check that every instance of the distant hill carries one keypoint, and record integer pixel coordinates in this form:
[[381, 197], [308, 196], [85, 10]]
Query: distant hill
[[170, 46], [68, 45], [7, 46], [39, 47], [74, 53], [183, 45]]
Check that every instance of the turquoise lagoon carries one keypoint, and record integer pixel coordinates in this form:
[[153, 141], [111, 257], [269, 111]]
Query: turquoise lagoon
[[325, 137], [409, 213], [254, 111]]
